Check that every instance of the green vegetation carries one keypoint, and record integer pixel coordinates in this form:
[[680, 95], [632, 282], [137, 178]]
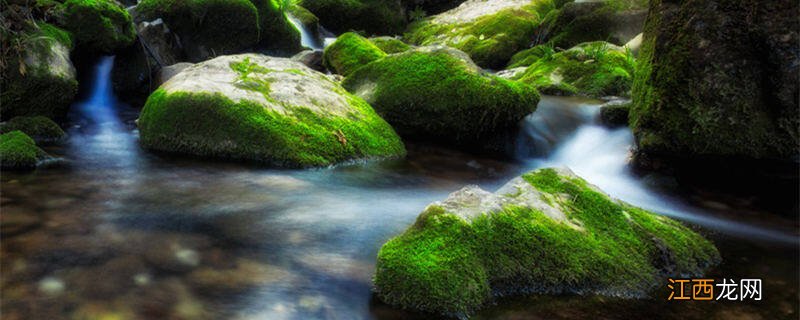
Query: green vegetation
[[350, 52], [369, 16], [221, 26], [39, 78], [449, 265], [19, 151], [38, 127], [527, 57], [275, 30], [581, 22], [99, 25], [729, 106], [390, 44], [593, 69], [432, 93], [212, 125], [491, 39]]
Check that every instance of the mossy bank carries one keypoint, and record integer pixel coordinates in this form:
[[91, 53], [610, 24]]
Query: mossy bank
[[261, 109], [547, 231]]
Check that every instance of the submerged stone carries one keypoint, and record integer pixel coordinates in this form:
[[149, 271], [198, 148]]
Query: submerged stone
[[548, 231], [262, 109]]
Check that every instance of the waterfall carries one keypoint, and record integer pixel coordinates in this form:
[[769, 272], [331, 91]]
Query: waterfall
[[307, 39], [101, 137]]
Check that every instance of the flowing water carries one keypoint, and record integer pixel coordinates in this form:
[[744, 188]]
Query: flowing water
[[308, 39], [116, 231]]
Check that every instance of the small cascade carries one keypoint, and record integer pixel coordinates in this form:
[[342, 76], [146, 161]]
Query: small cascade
[[307, 38], [563, 133], [102, 138]]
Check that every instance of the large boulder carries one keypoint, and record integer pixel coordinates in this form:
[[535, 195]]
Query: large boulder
[[438, 94], [369, 16], [350, 52], [19, 152], [490, 31], [548, 231], [702, 92], [209, 28], [99, 25], [134, 77], [40, 80], [595, 69], [262, 109]]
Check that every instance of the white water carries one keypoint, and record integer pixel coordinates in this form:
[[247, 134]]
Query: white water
[[307, 38], [601, 156]]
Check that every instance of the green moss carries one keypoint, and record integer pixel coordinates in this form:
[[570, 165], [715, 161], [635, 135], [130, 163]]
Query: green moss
[[39, 79], [527, 57], [491, 39], [275, 30], [582, 22], [99, 25], [38, 127], [212, 125], [447, 265], [19, 151], [434, 95], [723, 108], [222, 26], [592, 69], [350, 52], [390, 44], [370, 16]]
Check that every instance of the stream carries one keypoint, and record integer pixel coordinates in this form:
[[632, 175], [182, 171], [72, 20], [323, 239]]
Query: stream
[[114, 230]]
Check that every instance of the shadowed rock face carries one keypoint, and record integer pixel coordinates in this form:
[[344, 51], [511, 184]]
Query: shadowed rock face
[[718, 79]]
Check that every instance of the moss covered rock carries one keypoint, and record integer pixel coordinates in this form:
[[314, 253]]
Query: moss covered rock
[[350, 52], [616, 22], [548, 231], [39, 78], [99, 25], [595, 69], [438, 94], [210, 28], [490, 31], [261, 109], [369, 16], [18, 151], [614, 114], [701, 92], [41, 129], [390, 44]]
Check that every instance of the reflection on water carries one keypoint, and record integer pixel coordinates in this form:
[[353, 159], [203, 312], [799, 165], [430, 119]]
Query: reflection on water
[[123, 233]]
